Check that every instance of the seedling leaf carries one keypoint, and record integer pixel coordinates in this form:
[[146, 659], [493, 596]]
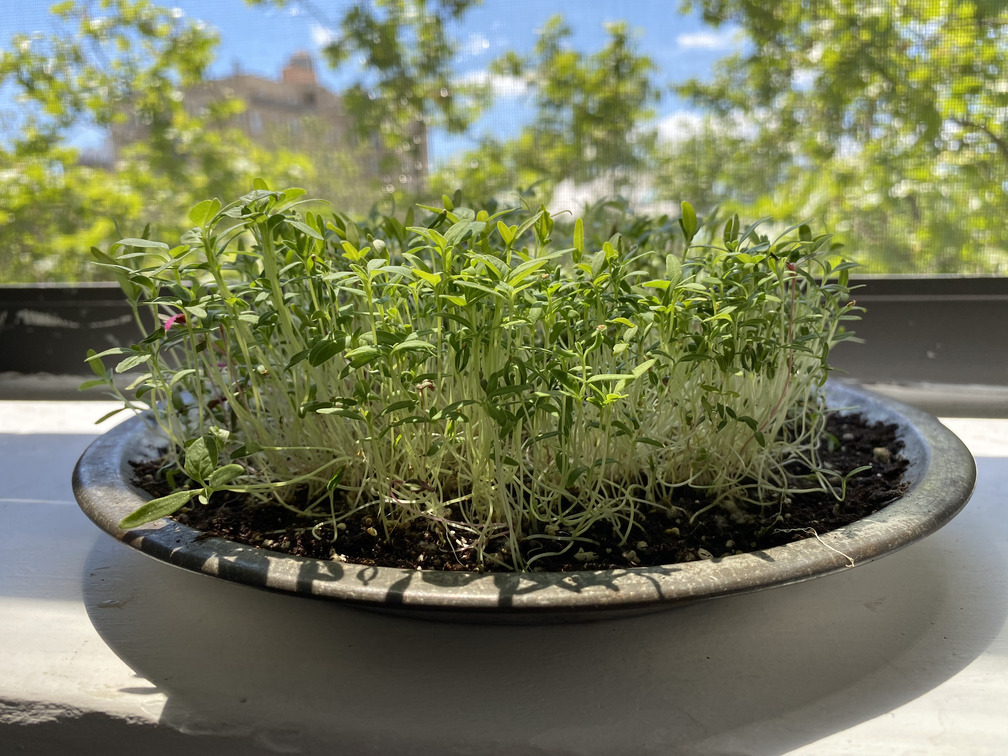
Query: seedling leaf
[[157, 508]]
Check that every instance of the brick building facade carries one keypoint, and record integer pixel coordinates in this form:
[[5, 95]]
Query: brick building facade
[[297, 112]]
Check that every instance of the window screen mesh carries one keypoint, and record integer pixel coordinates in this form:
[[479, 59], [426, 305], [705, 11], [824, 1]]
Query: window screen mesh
[[881, 122]]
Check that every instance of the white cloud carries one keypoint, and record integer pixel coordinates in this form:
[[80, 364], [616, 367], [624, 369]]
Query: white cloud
[[500, 85], [322, 35], [571, 197], [725, 39], [477, 44], [681, 125]]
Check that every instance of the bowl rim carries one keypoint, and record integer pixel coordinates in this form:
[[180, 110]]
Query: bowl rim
[[941, 473]]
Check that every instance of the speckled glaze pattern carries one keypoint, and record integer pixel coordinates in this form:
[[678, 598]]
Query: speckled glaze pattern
[[942, 474]]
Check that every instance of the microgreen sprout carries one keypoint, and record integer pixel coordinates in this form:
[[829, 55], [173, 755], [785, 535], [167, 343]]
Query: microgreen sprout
[[509, 376]]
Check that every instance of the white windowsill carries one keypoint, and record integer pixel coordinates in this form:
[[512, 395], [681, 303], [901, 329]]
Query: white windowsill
[[908, 654]]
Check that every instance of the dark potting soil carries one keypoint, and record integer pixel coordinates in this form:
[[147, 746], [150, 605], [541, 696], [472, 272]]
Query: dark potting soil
[[663, 535]]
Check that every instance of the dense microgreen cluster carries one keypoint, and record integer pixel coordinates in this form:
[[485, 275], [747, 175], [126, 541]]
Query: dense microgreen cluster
[[491, 372]]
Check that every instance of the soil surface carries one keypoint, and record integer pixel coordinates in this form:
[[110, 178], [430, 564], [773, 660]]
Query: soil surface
[[664, 536]]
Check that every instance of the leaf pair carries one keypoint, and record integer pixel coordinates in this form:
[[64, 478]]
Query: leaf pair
[[202, 466]]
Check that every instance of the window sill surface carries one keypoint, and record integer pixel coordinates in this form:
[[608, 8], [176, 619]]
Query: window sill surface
[[908, 654]]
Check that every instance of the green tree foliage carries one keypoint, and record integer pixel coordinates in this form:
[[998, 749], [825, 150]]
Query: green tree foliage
[[593, 117], [717, 166], [106, 66], [887, 120], [405, 83]]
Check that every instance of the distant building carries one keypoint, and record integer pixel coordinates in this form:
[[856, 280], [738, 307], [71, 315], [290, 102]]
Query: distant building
[[296, 111]]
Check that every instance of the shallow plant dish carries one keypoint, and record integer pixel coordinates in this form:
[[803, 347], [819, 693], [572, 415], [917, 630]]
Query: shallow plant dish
[[941, 475]]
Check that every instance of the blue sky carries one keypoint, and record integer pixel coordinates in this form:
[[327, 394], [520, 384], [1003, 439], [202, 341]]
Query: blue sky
[[259, 40]]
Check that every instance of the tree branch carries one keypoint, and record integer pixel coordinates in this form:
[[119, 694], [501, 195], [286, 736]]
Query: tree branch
[[999, 142]]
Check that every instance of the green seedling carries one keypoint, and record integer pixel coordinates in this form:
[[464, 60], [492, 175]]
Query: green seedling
[[513, 375]]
